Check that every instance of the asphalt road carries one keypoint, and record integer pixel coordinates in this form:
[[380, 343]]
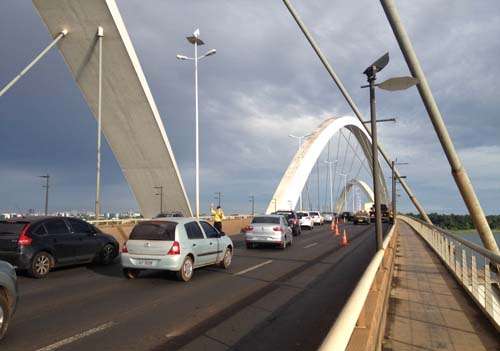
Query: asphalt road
[[269, 299]]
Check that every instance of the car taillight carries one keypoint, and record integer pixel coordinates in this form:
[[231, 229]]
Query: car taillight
[[24, 238], [248, 228], [175, 249], [124, 248], [278, 229], [295, 221]]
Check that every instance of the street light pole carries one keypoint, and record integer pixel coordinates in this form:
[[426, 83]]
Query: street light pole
[[300, 138], [252, 200], [394, 184], [46, 186], [392, 84], [218, 196], [161, 196], [331, 182], [345, 189], [195, 40], [100, 35]]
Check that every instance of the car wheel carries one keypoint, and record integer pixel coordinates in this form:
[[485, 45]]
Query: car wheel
[[40, 265], [4, 314], [226, 261], [186, 272], [131, 273], [107, 254]]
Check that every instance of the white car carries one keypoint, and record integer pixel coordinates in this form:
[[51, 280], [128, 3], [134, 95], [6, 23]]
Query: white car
[[178, 244], [269, 229], [317, 217], [306, 221], [328, 216]]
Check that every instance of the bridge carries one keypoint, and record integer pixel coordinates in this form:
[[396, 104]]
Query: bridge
[[421, 288]]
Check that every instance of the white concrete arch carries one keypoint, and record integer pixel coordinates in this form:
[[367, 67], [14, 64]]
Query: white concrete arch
[[350, 185], [288, 191]]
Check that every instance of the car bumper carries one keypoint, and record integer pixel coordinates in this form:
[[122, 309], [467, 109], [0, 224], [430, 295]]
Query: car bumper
[[263, 239], [169, 263], [20, 260]]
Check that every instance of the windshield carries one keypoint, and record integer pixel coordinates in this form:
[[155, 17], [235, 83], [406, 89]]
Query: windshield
[[154, 231], [302, 214], [266, 220]]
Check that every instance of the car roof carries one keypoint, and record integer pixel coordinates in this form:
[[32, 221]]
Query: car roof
[[32, 219], [270, 215], [179, 220]]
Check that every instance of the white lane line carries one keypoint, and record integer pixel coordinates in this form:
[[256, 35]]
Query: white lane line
[[253, 267], [310, 245], [77, 337]]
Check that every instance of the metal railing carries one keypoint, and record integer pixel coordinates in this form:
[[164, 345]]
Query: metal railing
[[340, 334], [469, 263], [125, 221]]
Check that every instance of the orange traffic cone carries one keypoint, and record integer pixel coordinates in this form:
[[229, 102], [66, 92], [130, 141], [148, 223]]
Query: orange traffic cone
[[344, 241], [332, 227], [337, 233]]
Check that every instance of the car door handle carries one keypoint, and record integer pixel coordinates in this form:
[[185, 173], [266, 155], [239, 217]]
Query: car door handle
[[194, 245]]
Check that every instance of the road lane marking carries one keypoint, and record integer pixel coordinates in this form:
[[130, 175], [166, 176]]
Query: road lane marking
[[310, 245], [77, 337], [253, 267]]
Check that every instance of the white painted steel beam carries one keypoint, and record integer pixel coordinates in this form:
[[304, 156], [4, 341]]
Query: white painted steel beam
[[290, 187], [131, 121]]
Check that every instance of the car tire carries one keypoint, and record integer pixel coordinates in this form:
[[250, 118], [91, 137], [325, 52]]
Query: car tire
[[131, 273], [4, 314], [40, 265], [226, 259], [186, 272], [107, 254]]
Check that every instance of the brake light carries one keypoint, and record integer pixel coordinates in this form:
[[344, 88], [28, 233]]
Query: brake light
[[24, 238], [278, 229], [124, 248], [175, 249], [248, 228]]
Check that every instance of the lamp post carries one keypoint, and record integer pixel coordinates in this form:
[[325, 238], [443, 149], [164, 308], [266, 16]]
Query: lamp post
[[195, 40], [97, 208], [330, 163], [46, 186], [300, 138], [161, 196], [392, 84], [252, 200], [394, 183], [218, 196]]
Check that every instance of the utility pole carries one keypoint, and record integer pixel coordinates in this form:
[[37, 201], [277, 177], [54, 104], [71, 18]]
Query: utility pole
[[161, 196], [218, 196], [100, 35], [252, 200], [46, 186]]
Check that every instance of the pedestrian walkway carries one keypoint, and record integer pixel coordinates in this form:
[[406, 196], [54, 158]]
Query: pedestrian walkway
[[428, 309]]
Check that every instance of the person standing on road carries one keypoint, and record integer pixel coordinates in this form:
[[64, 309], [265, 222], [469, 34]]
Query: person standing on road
[[218, 216]]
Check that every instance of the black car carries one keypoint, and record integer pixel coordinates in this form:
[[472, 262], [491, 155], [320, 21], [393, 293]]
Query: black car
[[8, 295], [38, 244], [347, 216], [293, 221]]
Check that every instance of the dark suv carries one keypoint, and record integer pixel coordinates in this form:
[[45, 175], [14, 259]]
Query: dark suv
[[37, 244], [293, 221]]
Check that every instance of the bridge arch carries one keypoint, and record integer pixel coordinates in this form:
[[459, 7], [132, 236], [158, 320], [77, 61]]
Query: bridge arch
[[293, 181], [350, 185]]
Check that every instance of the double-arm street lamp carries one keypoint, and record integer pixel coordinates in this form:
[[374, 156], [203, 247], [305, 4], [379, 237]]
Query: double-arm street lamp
[[196, 41], [392, 84], [394, 182], [300, 138]]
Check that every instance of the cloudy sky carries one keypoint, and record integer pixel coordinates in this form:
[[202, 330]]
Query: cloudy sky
[[264, 83]]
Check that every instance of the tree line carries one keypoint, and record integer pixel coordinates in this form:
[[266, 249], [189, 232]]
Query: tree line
[[457, 222]]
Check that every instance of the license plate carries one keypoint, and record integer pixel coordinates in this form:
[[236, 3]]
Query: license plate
[[145, 262]]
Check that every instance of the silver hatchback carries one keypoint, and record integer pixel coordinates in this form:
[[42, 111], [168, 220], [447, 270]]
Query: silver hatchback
[[268, 229], [175, 244]]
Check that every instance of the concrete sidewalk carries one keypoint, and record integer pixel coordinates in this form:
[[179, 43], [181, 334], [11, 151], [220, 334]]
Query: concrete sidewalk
[[428, 310]]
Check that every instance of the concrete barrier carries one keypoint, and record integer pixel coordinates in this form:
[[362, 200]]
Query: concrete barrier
[[121, 232]]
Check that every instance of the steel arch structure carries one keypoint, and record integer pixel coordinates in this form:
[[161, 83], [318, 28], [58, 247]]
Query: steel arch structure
[[293, 181], [353, 182]]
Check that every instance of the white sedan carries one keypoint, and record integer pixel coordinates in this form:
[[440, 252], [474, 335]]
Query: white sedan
[[306, 221]]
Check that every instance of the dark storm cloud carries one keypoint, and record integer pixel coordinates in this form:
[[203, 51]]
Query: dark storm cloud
[[263, 84]]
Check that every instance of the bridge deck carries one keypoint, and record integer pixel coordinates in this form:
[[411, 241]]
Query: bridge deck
[[428, 310]]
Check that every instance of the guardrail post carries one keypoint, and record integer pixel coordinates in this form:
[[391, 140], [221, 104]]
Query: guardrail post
[[452, 257], [488, 303], [465, 275], [474, 275]]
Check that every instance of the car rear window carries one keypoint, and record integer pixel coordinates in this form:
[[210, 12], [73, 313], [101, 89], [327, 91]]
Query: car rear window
[[154, 231], [314, 213], [9, 228], [287, 215], [301, 214], [270, 220]]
